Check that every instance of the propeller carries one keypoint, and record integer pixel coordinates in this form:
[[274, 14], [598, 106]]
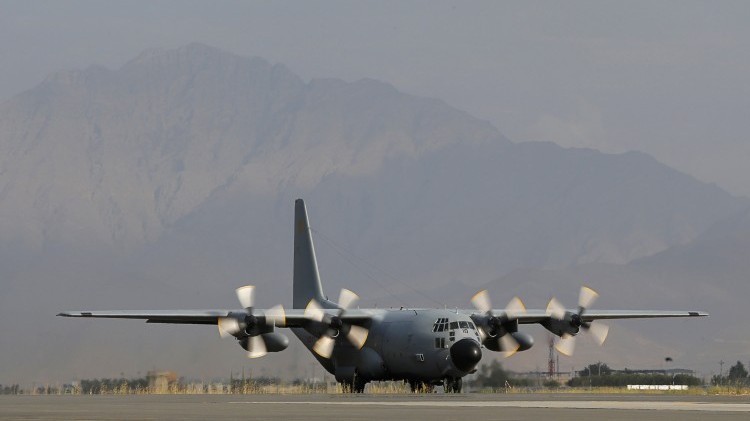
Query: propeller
[[248, 327], [514, 309], [356, 335], [256, 346], [599, 331]]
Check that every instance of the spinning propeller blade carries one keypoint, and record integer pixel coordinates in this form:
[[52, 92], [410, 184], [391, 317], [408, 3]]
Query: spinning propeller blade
[[276, 315], [256, 347], [247, 328], [509, 345], [314, 311], [356, 335], [555, 309], [228, 326], [347, 299], [324, 346], [481, 301], [598, 330], [246, 295], [586, 297], [566, 345], [514, 309]]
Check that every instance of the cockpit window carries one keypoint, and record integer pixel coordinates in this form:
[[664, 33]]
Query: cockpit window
[[440, 325], [463, 325], [471, 325], [454, 325]]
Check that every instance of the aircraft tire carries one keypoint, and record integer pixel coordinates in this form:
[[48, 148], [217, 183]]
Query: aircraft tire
[[448, 385], [452, 385], [359, 386], [418, 386], [353, 386]]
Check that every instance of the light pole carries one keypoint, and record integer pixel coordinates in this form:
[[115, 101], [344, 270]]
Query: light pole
[[668, 360]]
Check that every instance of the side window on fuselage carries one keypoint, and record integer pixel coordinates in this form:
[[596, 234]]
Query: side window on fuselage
[[440, 343]]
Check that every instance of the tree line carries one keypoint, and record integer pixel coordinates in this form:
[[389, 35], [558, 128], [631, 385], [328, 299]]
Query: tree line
[[737, 376], [10, 390], [493, 376], [601, 375]]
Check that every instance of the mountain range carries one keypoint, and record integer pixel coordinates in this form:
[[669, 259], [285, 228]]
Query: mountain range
[[168, 182]]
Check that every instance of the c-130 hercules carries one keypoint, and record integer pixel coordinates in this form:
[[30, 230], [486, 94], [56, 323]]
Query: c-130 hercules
[[425, 347]]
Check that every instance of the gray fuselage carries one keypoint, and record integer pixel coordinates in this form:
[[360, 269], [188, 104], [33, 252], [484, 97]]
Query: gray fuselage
[[410, 344]]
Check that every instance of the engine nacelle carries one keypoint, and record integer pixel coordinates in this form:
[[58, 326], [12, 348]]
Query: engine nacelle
[[250, 324], [525, 341], [569, 325], [274, 342]]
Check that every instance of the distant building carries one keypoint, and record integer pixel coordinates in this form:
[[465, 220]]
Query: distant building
[[670, 371]]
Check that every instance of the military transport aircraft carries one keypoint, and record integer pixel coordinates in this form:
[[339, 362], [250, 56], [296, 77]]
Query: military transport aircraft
[[425, 347]]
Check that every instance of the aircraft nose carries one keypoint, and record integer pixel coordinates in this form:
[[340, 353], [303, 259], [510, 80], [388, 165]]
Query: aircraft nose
[[466, 354]]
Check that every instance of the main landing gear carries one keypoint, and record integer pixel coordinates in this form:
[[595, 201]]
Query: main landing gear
[[418, 386], [354, 385], [452, 385]]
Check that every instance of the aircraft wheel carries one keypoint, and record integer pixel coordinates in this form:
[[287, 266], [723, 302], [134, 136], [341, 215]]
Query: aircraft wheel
[[418, 386], [353, 386], [452, 385], [414, 385], [359, 387], [448, 385], [458, 385], [344, 387]]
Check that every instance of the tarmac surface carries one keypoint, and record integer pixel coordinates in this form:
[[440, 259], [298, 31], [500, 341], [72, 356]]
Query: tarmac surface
[[431, 407]]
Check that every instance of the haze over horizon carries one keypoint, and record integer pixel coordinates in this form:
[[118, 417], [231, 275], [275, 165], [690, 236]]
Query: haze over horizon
[[666, 78], [137, 185], [166, 178]]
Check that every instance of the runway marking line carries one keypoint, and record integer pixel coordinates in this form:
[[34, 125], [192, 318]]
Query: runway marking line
[[628, 405]]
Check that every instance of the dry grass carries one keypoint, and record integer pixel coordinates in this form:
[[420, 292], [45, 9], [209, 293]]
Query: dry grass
[[694, 391], [389, 387]]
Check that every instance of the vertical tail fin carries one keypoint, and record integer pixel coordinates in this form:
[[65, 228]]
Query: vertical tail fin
[[306, 277]]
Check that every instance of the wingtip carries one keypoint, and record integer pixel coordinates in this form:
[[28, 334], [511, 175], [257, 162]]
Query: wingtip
[[74, 314]]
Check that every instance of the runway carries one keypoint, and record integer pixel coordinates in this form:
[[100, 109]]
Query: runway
[[375, 407]]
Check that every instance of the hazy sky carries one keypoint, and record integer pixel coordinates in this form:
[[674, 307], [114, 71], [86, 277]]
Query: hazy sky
[[666, 77]]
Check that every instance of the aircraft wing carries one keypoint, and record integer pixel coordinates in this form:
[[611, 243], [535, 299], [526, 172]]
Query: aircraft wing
[[294, 317], [591, 315], [538, 316], [198, 317]]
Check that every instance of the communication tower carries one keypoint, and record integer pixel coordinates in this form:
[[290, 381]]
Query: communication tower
[[551, 365]]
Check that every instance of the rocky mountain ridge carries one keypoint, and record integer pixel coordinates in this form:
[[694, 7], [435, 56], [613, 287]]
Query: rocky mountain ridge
[[170, 181]]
